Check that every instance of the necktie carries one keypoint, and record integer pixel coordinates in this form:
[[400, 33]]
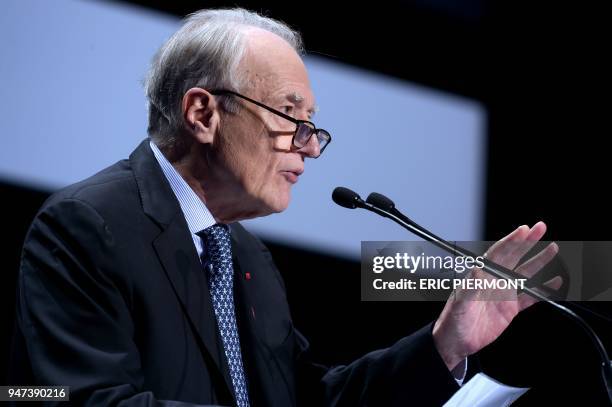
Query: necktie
[[218, 258]]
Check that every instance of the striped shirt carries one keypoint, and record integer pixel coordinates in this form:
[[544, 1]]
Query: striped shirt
[[196, 214]]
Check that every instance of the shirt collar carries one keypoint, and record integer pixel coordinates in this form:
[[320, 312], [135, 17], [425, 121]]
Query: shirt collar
[[196, 214]]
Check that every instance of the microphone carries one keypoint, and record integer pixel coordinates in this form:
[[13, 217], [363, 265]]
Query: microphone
[[381, 205], [347, 198], [385, 204], [381, 201]]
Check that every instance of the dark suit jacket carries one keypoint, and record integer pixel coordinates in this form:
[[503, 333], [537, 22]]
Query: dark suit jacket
[[113, 302]]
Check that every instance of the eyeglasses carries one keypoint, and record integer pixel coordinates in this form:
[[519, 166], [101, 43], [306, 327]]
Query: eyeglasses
[[303, 128]]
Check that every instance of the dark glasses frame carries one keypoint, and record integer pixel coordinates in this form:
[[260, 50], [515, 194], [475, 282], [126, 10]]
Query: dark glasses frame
[[322, 134]]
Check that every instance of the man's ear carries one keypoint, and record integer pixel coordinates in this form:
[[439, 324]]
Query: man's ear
[[200, 112]]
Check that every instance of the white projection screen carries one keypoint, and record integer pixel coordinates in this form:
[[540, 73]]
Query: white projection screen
[[72, 103]]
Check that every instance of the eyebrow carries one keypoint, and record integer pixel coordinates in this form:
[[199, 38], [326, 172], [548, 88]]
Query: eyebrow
[[298, 99], [295, 97]]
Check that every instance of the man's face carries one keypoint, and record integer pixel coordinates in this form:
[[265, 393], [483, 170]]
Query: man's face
[[255, 145]]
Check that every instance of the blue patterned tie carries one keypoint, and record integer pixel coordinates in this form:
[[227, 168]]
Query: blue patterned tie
[[218, 253]]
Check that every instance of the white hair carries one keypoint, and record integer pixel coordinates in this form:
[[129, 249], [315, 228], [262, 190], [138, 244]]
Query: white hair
[[204, 52]]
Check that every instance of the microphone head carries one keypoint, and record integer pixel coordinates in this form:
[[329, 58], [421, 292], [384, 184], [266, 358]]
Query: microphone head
[[380, 201], [346, 198]]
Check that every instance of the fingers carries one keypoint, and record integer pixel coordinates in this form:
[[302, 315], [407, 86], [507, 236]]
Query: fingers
[[526, 301], [508, 251], [537, 231], [504, 246], [533, 236], [537, 262]]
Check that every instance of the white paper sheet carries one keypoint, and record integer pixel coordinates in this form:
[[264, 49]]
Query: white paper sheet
[[483, 391]]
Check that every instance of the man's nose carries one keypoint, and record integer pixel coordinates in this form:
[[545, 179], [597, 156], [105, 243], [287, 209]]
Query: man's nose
[[311, 149]]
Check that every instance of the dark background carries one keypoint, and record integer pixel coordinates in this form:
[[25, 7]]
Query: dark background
[[541, 71]]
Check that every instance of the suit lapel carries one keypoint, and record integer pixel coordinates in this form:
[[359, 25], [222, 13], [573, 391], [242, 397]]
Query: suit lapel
[[248, 294], [185, 273], [177, 254], [245, 298], [256, 359]]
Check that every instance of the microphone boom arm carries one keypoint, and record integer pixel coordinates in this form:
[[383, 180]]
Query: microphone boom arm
[[350, 199]]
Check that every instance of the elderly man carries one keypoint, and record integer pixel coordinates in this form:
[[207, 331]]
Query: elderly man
[[139, 287]]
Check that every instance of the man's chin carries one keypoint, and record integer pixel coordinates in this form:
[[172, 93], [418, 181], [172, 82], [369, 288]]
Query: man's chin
[[266, 201], [280, 207], [279, 203]]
